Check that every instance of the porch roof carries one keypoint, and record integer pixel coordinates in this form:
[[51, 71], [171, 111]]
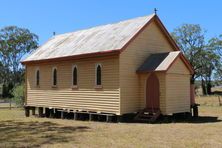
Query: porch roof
[[158, 62]]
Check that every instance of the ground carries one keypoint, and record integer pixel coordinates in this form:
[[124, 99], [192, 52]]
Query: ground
[[19, 131]]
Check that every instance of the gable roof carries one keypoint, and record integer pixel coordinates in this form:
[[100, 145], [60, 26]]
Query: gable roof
[[107, 38], [162, 62]]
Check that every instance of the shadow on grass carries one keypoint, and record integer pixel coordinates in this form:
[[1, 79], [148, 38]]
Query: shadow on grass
[[200, 119], [175, 119], [35, 134]]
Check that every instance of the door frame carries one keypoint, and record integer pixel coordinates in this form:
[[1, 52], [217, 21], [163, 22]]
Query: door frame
[[145, 88]]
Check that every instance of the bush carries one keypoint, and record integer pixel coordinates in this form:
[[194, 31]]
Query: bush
[[7, 90], [18, 93]]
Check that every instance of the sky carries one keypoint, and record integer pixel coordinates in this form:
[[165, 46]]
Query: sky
[[43, 17]]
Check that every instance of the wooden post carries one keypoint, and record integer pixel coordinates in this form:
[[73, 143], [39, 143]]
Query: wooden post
[[56, 113], [40, 111], [220, 104], [195, 111], [47, 114], [90, 117], [107, 118], [62, 115], [33, 110], [27, 113], [51, 113], [99, 117], [10, 104], [119, 118], [75, 115]]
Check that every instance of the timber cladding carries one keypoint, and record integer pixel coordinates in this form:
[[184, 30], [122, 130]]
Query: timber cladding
[[151, 40], [86, 96], [177, 88]]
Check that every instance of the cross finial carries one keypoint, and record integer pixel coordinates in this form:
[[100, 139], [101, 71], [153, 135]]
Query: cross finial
[[155, 11]]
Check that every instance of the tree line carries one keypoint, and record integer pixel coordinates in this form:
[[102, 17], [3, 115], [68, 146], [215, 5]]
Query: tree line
[[204, 55]]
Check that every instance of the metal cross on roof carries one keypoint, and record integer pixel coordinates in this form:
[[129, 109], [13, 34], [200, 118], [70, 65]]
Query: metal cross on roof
[[155, 10]]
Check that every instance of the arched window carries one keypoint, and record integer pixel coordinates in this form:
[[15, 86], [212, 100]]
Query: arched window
[[37, 77], [54, 77], [74, 76], [98, 74]]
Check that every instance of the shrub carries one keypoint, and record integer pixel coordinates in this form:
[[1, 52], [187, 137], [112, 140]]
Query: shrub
[[7, 90], [18, 93]]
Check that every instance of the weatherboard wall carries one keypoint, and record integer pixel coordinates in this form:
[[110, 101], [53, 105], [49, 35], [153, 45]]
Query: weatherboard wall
[[150, 40], [86, 96], [162, 86], [177, 88]]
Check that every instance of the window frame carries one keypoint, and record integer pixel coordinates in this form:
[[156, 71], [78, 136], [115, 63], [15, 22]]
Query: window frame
[[54, 68], [98, 85], [37, 70], [77, 80]]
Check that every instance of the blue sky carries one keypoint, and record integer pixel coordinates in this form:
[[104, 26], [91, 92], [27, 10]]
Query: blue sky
[[43, 17]]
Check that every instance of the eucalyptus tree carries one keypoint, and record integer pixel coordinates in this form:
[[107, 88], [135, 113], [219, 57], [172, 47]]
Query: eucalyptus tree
[[204, 56], [191, 40], [15, 42]]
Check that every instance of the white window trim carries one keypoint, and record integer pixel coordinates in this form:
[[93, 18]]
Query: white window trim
[[98, 86], [37, 69], [75, 86], [53, 68]]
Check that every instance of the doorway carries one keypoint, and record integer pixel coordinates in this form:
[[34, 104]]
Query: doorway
[[152, 92]]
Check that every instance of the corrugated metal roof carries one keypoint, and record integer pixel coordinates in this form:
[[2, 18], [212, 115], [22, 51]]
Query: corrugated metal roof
[[158, 62], [97, 39]]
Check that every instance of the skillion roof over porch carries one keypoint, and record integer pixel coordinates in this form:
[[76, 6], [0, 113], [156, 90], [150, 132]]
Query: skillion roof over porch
[[161, 62]]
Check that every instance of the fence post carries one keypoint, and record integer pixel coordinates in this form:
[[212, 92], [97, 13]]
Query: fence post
[[219, 101], [10, 104]]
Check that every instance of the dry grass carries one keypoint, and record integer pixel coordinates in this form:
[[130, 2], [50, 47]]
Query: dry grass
[[212, 101], [18, 131], [6, 105]]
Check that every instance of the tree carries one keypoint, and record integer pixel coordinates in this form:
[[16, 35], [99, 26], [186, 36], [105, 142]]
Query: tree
[[215, 44], [204, 57], [1, 72], [210, 62], [190, 39], [18, 93], [15, 42]]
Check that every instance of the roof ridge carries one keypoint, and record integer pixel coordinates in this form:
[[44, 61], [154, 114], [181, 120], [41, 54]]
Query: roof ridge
[[98, 39], [103, 25]]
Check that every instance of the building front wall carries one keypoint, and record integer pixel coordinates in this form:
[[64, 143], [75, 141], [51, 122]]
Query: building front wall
[[162, 89], [150, 40], [174, 89], [86, 97]]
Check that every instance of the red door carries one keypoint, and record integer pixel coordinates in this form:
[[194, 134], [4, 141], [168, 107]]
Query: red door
[[152, 92]]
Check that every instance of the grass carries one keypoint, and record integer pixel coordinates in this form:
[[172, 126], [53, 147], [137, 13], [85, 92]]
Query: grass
[[5, 103], [206, 131]]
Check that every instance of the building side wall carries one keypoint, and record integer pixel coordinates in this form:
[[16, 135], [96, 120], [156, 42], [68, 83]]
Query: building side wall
[[86, 96]]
